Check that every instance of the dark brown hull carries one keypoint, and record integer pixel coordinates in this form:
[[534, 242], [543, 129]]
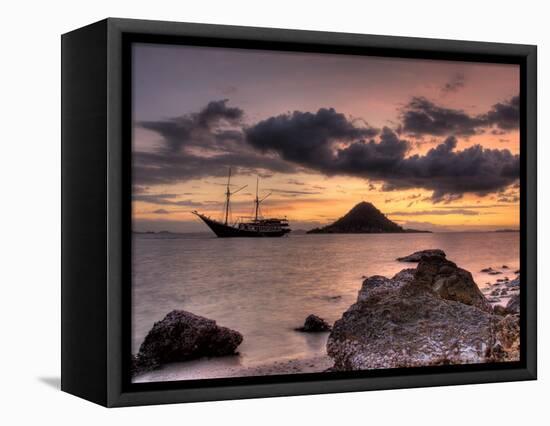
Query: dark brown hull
[[225, 231]]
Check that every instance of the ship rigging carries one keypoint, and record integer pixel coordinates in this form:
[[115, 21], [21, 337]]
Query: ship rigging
[[257, 227]]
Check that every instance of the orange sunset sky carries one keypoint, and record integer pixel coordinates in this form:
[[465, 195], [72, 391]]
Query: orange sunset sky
[[432, 144]]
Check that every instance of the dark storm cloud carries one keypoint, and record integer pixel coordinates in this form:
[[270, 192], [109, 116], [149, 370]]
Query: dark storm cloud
[[327, 142], [423, 117], [201, 144], [335, 151], [454, 84], [450, 173], [198, 128], [305, 136], [504, 115], [163, 168]]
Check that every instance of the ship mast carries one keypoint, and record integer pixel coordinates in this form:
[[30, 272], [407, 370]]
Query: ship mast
[[228, 195], [257, 201]]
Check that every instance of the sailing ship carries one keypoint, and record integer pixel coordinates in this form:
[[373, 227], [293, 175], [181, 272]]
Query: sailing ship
[[257, 227]]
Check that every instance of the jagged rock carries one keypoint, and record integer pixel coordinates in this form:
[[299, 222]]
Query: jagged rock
[[418, 255], [450, 282], [428, 316], [314, 324], [513, 304], [500, 310], [508, 334], [513, 283], [182, 336], [378, 283]]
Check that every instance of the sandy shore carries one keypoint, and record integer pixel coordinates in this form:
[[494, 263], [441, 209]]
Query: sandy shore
[[212, 368]]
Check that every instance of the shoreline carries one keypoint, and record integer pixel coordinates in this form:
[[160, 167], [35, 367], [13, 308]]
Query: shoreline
[[456, 294], [229, 366]]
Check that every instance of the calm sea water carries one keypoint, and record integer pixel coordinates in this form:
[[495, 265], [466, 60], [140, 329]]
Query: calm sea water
[[264, 288]]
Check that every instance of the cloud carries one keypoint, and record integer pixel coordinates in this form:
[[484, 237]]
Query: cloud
[[166, 199], [292, 193], [504, 115], [201, 144], [454, 84], [210, 141], [423, 117], [509, 199], [197, 128], [337, 151], [438, 212], [304, 137]]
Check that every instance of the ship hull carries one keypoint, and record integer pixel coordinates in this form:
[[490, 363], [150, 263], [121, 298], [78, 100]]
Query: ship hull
[[225, 231]]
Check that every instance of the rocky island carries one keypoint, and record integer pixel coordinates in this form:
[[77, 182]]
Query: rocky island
[[364, 218]]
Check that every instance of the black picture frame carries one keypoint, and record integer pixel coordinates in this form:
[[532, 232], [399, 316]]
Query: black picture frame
[[96, 211]]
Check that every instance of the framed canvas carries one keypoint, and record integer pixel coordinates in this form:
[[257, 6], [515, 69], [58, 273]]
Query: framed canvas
[[254, 212]]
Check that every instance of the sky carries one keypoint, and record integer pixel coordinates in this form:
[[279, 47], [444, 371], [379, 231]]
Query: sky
[[434, 145]]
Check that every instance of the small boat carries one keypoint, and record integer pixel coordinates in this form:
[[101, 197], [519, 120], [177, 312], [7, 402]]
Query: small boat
[[257, 227]]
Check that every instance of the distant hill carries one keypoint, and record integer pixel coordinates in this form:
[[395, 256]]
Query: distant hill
[[364, 218]]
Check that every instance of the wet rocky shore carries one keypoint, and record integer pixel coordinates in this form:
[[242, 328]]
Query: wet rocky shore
[[434, 314]]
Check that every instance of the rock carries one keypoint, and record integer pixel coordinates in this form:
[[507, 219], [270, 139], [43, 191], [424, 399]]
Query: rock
[[183, 336], [516, 272], [330, 298], [494, 273], [489, 269], [504, 267], [513, 283], [314, 324], [513, 304], [378, 283], [508, 335], [500, 310], [450, 282], [418, 255], [433, 315]]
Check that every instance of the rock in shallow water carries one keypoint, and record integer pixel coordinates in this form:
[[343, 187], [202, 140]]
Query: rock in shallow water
[[513, 304], [429, 316], [418, 255], [182, 336], [314, 324]]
